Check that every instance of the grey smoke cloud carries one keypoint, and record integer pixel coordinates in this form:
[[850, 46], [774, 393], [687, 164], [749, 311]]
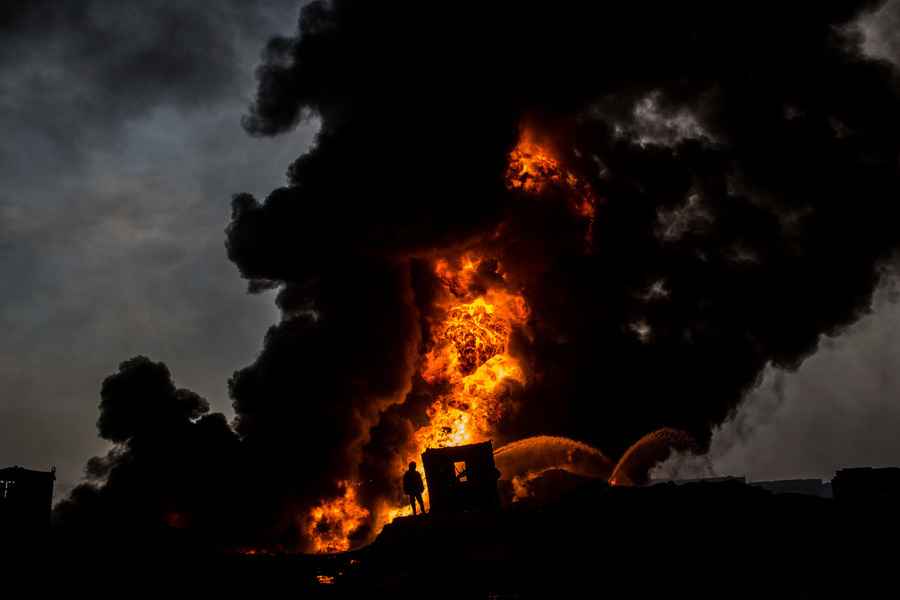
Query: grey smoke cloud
[[881, 32], [841, 408]]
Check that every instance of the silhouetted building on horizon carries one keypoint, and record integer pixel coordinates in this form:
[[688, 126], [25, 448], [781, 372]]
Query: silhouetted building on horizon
[[26, 499], [722, 479], [867, 484], [807, 487], [461, 478]]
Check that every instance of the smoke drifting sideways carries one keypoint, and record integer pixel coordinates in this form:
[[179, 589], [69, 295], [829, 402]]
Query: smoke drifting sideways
[[745, 162]]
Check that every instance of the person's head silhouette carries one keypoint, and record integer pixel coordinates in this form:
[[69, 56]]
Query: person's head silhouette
[[412, 466]]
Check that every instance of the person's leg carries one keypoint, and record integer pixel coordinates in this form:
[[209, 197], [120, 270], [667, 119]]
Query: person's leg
[[412, 503], [421, 502]]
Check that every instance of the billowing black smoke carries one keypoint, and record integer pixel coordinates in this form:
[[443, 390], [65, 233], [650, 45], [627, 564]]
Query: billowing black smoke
[[170, 475], [745, 158]]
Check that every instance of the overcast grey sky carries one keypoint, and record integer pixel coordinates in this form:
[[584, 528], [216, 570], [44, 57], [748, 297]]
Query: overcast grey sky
[[122, 146]]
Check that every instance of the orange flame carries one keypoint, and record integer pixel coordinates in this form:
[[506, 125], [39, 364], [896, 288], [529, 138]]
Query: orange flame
[[469, 357], [330, 524], [533, 168], [470, 354]]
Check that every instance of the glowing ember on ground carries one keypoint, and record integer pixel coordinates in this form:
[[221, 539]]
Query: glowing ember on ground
[[177, 520]]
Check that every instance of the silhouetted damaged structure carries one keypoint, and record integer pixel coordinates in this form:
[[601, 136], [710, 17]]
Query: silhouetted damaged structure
[[26, 498], [461, 478]]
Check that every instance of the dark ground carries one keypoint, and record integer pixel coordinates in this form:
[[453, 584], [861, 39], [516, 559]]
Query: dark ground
[[721, 539]]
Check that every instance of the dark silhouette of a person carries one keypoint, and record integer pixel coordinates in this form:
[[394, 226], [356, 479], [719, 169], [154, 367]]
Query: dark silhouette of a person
[[413, 487]]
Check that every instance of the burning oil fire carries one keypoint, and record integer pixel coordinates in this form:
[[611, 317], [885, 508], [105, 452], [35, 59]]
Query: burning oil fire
[[331, 524], [469, 357], [470, 354]]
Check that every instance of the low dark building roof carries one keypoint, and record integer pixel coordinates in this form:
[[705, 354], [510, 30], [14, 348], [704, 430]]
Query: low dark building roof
[[26, 498], [867, 483], [21, 473]]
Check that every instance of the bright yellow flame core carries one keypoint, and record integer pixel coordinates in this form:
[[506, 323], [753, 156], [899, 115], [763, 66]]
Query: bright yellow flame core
[[470, 355]]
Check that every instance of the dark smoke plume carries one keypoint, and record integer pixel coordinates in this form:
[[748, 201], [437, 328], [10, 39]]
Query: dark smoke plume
[[170, 470], [745, 157]]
